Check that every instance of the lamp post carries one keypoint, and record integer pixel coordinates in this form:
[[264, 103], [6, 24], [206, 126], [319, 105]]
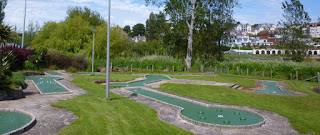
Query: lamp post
[[108, 56], [24, 22], [94, 31]]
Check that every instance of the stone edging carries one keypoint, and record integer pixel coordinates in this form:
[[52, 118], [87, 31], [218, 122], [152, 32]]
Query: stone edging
[[202, 103], [25, 127]]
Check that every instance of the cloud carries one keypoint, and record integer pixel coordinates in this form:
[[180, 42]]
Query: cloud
[[123, 12]]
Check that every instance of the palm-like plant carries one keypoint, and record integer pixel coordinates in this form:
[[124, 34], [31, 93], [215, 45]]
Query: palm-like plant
[[4, 33]]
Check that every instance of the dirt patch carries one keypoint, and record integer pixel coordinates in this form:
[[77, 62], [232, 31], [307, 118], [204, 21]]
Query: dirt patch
[[103, 82], [316, 89]]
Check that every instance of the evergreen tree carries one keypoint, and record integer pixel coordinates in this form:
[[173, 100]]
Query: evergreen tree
[[127, 29], [138, 29]]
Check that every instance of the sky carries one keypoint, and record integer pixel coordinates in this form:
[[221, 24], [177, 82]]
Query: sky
[[131, 12]]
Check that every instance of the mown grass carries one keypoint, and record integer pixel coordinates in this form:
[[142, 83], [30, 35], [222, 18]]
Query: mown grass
[[223, 79], [119, 115], [302, 112]]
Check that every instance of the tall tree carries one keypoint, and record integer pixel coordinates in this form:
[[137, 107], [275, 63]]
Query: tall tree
[[295, 20], [3, 4], [188, 10], [127, 29], [156, 26], [221, 22], [33, 29], [138, 29]]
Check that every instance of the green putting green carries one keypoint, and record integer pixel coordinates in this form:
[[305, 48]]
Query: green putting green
[[149, 78], [47, 84], [54, 73], [10, 121], [211, 115], [272, 88]]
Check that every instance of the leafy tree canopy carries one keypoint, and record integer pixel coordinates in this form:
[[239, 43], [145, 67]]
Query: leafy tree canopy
[[86, 14], [75, 35], [156, 26]]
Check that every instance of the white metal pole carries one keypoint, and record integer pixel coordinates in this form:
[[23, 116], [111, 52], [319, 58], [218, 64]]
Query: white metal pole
[[24, 22], [108, 56], [94, 31]]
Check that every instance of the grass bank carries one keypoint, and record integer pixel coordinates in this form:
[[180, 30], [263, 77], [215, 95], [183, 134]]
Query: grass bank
[[116, 116], [303, 112]]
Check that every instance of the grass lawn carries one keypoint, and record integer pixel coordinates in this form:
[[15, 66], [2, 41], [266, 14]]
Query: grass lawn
[[223, 79], [119, 115], [303, 112]]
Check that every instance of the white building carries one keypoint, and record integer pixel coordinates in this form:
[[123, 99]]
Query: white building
[[265, 26], [281, 52], [243, 28], [313, 30]]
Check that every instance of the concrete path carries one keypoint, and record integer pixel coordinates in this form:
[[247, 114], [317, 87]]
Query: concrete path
[[50, 120]]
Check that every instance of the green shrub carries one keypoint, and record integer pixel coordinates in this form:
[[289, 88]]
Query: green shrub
[[29, 66], [72, 70], [5, 81], [62, 61], [18, 79]]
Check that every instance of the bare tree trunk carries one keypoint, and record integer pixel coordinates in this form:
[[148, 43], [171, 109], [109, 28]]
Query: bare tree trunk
[[188, 59]]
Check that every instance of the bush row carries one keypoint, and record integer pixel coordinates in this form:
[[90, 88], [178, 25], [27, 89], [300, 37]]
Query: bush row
[[57, 60]]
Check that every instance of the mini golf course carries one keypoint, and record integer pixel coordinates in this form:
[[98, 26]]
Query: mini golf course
[[12, 122], [149, 78], [47, 85], [211, 115], [273, 88]]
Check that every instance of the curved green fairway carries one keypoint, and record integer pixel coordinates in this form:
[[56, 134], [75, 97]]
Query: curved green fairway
[[302, 111], [116, 116]]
